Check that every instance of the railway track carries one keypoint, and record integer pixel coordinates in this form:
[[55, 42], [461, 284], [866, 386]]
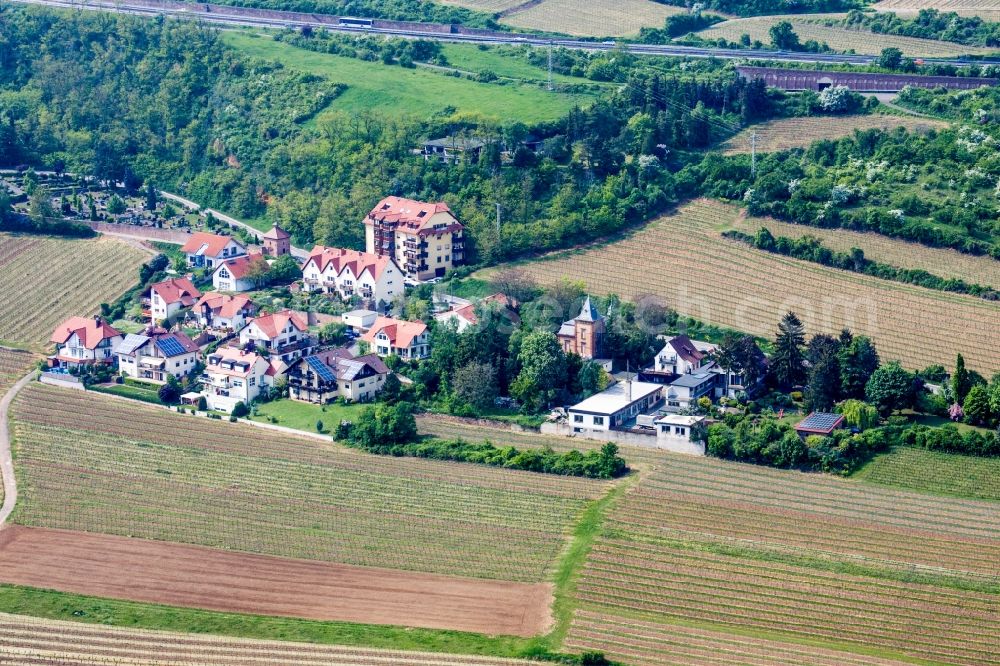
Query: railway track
[[244, 17]]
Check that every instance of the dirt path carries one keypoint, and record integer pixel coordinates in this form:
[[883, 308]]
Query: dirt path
[[198, 577], [6, 462]]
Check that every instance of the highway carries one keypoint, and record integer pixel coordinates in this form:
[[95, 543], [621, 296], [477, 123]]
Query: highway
[[244, 17]]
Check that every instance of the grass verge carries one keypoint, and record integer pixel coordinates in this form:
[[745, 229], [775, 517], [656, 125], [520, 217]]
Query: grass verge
[[94, 610]]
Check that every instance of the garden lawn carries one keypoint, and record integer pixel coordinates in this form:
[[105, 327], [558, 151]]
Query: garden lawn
[[396, 91], [304, 415]]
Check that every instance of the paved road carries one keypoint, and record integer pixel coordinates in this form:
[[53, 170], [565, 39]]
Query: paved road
[[297, 252], [6, 462], [243, 17]]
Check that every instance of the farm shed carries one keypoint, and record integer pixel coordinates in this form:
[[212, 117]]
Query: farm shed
[[614, 406], [805, 79], [819, 423]]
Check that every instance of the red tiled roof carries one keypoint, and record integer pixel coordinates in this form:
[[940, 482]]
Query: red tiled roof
[[213, 243], [685, 349], [90, 330], [177, 290], [240, 266], [341, 259], [270, 325], [237, 355], [406, 212], [224, 305], [400, 333], [276, 233]]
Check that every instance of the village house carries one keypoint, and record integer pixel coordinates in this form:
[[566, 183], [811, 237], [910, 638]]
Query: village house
[[284, 336], [206, 250], [84, 341], [465, 316], [223, 312], [408, 340], [424, 239], [452, 149], [239, 274], [169, 297], [233, 375], [681, 434], [374, 279], [681, 355], [157, 355], [276, 242], [336, 373], [615, 407], [687, 367], [359, 321], [584, 334]]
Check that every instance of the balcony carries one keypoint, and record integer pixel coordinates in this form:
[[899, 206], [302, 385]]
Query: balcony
[[216, 383]]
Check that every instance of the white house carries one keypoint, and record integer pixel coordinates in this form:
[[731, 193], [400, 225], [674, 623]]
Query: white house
[[681, 434], [223, 312], [203, 249], [683, 392], [84, 341], [375, 280], [284, 335], [232, 376], [157, 355], [614, 407], [394, 337], [681, 355], [336, 373], [235, 274], [359, 321], [169, 297], [465, 316]]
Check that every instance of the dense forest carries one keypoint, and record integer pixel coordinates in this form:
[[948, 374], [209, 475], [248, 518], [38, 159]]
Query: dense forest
[[114, 96]]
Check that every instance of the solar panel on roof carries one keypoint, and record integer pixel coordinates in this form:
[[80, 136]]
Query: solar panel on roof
[[170, 346], [320, 368], [820, 421]]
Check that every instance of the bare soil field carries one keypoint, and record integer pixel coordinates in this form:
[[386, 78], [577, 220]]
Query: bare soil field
[[197, 577], [32, 641], [839, 38], [988, 10], [683, 259], [787, 133], [594, 18]]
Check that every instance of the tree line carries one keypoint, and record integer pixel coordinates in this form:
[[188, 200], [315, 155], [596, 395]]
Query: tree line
[[810, 248]]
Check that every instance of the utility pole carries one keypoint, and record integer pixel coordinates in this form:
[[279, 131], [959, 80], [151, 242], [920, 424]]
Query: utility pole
[[753, 154], [550, 66], [498, 223]]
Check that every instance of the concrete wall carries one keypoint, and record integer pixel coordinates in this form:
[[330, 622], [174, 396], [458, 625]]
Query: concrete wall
[[59, 379], [616, 436]]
